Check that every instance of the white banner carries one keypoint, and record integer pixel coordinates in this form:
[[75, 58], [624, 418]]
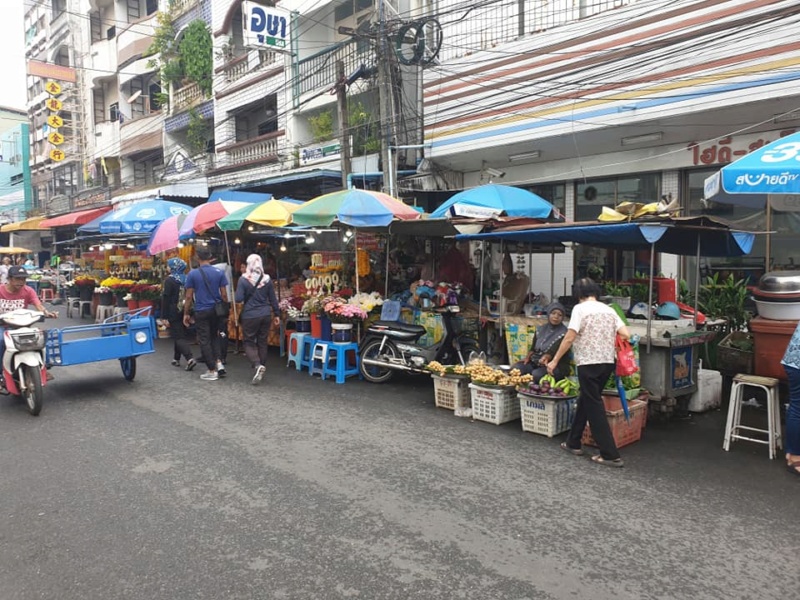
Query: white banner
[[265, 27]]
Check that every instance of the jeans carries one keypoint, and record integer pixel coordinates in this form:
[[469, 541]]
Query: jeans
[[255, 333], [590, 408], [793, 412], [206, 323]]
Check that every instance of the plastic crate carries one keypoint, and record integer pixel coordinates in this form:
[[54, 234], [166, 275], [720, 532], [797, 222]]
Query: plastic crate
[[451, 392], [494, 405], [732, 361], [624, 433], [546, 417]]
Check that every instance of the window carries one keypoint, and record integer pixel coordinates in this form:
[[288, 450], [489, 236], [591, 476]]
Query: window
[[59, 6], [99, 104], [95, 27], [151, 7], [111, 33], [154, 89], [113, 112]]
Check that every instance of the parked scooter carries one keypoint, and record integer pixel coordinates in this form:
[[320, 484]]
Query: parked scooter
[[390, 346], [24, 359]]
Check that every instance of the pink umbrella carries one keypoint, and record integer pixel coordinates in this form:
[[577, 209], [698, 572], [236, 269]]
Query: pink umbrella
[[166, 236], [206, 216]]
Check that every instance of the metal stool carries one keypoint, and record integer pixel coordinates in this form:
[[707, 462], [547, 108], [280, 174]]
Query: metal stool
[[770, 386], [103, 313], [295, 350], [318, 358], [337, 364], [46, 294]]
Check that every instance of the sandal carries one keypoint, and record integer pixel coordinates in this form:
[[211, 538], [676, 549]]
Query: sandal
[[616, 463], [573, 451], [793, 467]]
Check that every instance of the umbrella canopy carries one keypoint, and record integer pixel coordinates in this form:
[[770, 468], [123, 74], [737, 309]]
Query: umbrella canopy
[[166, 236], [31, 224], [141, 217], [80, 217], [274, 213], [354, 207], [234, 196], [493, 200], [14, 250], [206, 216]]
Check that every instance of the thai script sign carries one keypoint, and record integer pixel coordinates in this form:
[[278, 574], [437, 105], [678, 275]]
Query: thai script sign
[[264, 26]]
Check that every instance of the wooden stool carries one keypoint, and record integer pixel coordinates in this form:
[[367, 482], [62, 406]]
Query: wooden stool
[[733, 426], [337, 364]]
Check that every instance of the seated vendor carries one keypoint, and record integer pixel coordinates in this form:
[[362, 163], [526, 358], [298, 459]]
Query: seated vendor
[[545, 344]]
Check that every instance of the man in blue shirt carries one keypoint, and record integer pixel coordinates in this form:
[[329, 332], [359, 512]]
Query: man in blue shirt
[[205, 287]]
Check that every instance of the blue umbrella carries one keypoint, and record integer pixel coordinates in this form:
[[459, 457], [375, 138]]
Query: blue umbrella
[[496, 200], [141, 217]]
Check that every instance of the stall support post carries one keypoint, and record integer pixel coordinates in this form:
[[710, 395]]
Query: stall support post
[[697, 282], [355, 255], [480, 293], [650, 294], [386, 272], [233, 300], [552, 273]]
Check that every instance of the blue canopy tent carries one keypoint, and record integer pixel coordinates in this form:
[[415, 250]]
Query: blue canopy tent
[[234, 196], [684, 236], [492, 199]]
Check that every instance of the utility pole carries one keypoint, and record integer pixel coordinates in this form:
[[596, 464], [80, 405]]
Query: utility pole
[[385, 90], [344, 121]]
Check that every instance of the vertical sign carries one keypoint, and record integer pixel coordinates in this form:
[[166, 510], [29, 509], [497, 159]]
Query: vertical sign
[[55, 122], [264, 27]]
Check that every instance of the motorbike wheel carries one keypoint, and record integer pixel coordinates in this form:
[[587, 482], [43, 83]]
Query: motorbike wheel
[[372, 373], [34, 393], [128, 367], [468, 346]]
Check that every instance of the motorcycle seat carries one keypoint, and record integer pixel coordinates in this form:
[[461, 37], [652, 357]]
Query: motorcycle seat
[[400, 326]]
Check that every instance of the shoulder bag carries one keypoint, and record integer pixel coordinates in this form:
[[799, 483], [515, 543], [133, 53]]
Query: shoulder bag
[[626, 359], [221, 308], [249, 294]]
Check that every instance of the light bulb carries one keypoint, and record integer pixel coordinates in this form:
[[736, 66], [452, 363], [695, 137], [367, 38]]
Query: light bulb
[[237, 241], [287, 235], [109, 246], [283, 247], [310, 239], [345, 239], [349, 233], [249, 228], [180, 244], [129, 246]]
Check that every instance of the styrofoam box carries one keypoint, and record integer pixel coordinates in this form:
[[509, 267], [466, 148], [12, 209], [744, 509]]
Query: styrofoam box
[[709, 391]]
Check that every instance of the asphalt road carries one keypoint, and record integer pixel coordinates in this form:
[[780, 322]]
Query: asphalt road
[[174, 488]]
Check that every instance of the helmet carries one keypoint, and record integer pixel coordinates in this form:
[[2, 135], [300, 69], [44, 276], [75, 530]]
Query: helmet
[[640, 309], [669, 310]]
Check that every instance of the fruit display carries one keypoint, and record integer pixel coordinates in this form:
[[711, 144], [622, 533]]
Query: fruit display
[[482, 374], [548, 387]]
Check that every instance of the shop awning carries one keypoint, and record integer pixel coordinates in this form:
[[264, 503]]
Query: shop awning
[[190, 188], [80, 217], [31, 224], [674, 236]]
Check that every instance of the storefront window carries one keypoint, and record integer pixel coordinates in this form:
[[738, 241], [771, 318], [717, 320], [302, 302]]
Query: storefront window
[[555, 194], [590, 197]]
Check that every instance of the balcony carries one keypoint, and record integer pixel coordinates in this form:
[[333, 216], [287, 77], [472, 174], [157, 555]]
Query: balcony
[[319, 71], [139, 135], [186, 96], [104, 58], [261, 149], [178, 7], [135, 39], [253, 61]]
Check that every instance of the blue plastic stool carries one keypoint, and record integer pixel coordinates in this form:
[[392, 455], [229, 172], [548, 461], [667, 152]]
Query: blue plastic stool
[[308, 350], [337, 363], [319, 357], [295, 350]]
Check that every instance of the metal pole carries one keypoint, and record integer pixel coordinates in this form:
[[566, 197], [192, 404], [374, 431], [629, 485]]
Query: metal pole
[[386, 274], [552, 273], [696, 280], [768, 239], [233, 300], [480, 293], [650, 294], [355, 245]]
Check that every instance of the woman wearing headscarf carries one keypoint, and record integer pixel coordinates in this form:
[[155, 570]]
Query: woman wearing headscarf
[[545, 344], [259, 311], [172, 312]]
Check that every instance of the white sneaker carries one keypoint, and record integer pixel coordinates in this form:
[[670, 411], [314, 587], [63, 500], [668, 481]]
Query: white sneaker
[[209, 376], [221, 369], [260, 370]]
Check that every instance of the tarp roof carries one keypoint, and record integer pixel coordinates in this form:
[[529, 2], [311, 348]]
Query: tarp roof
[[80, 217], [679, 235]]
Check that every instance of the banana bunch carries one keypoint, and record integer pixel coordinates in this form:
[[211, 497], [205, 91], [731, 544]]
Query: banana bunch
[[569, 387], [548, 379]]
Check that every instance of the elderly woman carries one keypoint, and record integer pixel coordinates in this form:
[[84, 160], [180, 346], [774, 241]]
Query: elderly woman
[[260, 309], [545, 344], [593, 329], [172, 312]]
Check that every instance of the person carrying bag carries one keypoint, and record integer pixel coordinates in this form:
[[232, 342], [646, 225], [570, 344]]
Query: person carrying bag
[[259, 312]]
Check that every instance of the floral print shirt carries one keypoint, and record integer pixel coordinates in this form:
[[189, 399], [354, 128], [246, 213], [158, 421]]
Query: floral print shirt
[[596, 325], [792, 356]]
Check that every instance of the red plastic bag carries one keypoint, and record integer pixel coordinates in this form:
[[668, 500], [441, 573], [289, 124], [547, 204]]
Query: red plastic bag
[[626, 359]]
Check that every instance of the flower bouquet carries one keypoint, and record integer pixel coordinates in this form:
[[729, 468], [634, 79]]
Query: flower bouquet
[[340, 311], [84, 281], [366, 302], [292, 307], [313, 305], [146, 291]]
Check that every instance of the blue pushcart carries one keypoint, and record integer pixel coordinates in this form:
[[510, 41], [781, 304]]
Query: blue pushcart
[[123, 337]]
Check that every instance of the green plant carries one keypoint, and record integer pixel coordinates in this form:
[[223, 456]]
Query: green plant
[[197, 133], [322, 125], [195, 54], [724, 299], [164, 49], [621, 291], [363, 129], [685, 295]]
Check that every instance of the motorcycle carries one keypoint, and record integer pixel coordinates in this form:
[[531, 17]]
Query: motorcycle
[[390, 346], [24, 359]]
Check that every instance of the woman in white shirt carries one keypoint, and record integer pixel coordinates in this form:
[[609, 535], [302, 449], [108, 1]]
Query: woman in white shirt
[[593, 327]]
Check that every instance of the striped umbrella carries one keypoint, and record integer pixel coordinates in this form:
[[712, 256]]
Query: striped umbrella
[[357, 208], [166, 236], [274, 213], [206, 216]]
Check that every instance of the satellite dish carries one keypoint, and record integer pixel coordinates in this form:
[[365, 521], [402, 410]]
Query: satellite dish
[[134, 96]]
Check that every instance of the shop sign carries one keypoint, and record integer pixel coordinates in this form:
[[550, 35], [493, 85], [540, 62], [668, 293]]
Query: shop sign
[[681, 367], [55, 121], [476, 212], [57, 155], [55, 138], [731, 148], [264, 26], [52, 88], [54, 104], [316, 153]]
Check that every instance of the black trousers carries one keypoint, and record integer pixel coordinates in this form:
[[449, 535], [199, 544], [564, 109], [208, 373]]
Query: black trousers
[[206, 323], [180, 339], [255, 333], [592, 379]]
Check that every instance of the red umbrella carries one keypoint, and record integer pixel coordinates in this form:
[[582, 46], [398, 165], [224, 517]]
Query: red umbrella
[[166, 236]]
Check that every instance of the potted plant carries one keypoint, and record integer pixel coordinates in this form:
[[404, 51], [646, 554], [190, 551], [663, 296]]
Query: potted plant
[[292, 308], [313, 307], [119, 287], [342, 316], [85, 286], [104, 294], [146, 294]]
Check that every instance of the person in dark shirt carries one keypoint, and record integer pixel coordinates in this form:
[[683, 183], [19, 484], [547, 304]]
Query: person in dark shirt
[[172, 312]]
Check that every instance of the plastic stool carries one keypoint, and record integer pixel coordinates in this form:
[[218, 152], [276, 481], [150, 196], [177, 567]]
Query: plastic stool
[[318, 358], [47, 294], [337, 364], [285, 335], [73, 303], [308, 350], [295, 350], [103, 313], [773, 431]]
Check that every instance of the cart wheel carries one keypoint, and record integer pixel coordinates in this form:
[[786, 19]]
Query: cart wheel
[[128, 367]]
